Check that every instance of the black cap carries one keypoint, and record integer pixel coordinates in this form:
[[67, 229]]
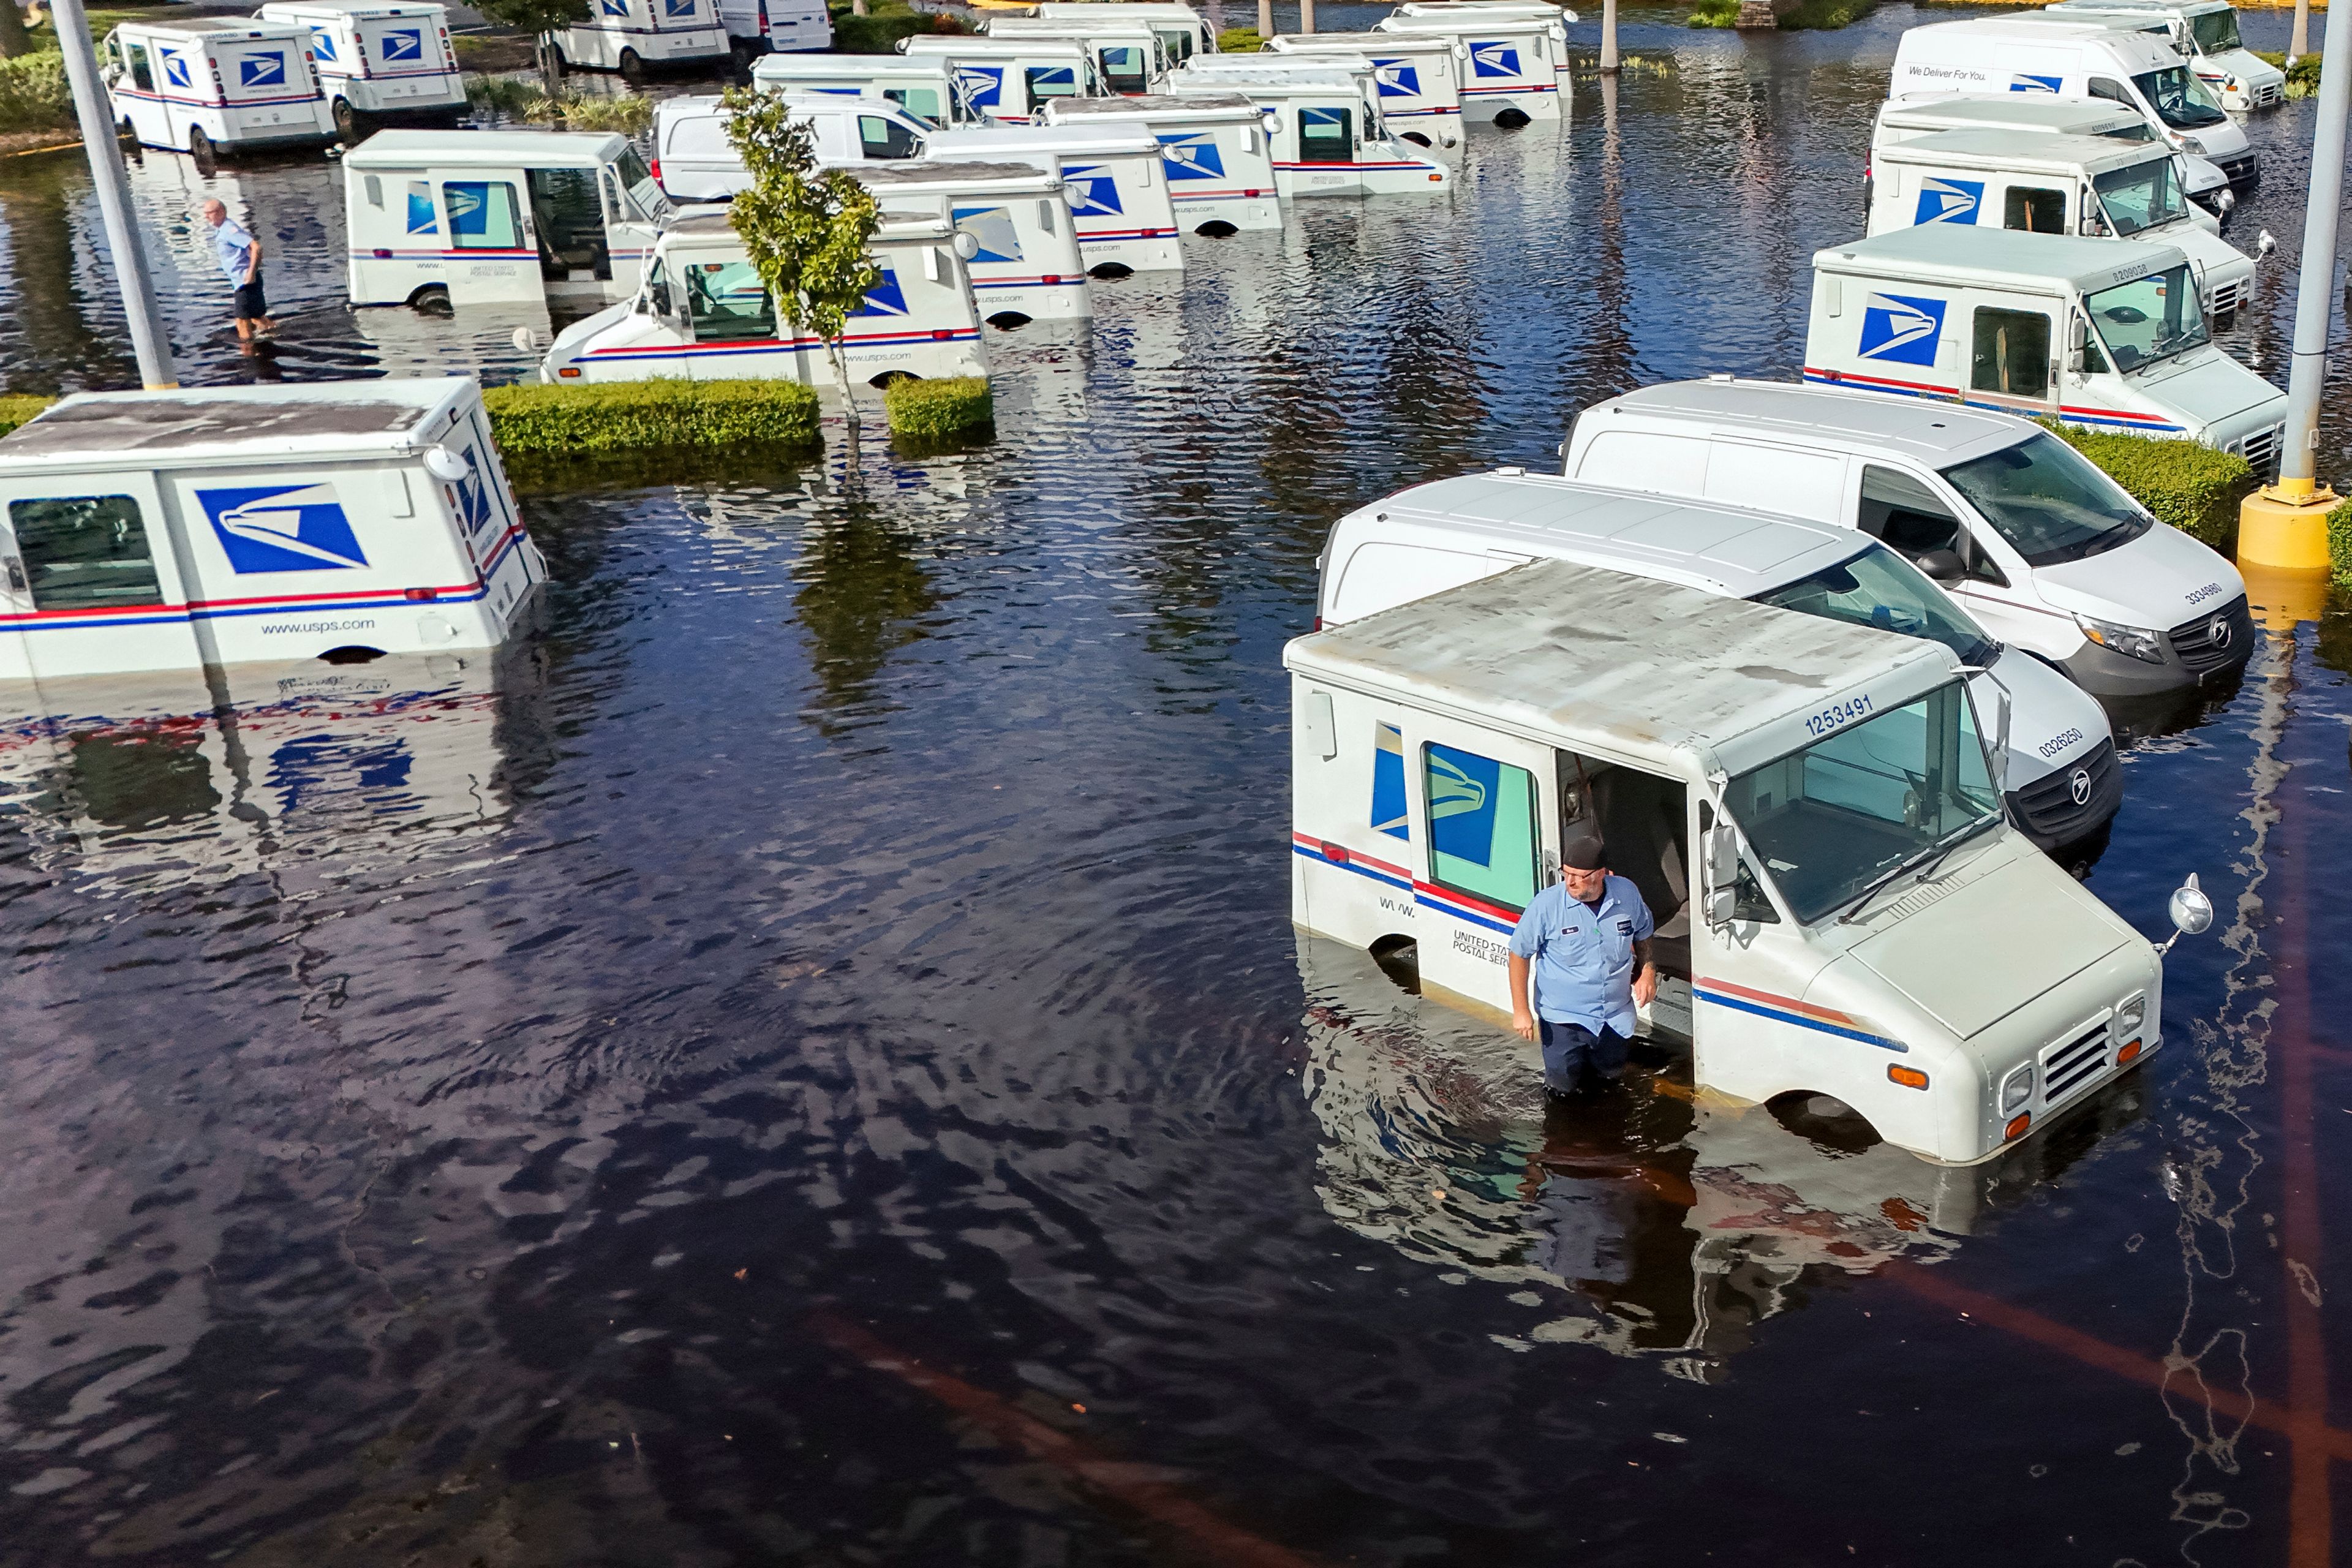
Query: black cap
[[1583, 855]]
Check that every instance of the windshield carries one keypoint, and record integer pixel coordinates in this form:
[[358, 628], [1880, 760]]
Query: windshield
[[2142, 196], [2048, 502], [2148, 319], [1877, 789], [638, 180], [2181, 101], [2215, 31], [1877, 588]]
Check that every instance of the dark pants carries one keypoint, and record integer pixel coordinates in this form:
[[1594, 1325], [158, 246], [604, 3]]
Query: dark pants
[[252, 304], [1572, 1053]]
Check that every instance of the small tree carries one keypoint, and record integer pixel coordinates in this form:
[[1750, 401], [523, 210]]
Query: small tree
[[537, 17], [806, 228]]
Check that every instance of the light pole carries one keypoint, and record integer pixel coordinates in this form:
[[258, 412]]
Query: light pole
[[1265, 19], [148, 339], [1608, 37], [2284, 525]]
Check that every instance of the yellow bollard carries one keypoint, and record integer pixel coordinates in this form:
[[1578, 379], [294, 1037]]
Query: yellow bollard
[[2285, 526], [2281, 600]]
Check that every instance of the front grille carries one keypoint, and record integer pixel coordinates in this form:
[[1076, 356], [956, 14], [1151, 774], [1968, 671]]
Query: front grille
[[2239, 169], [2261, 451], [2217, 641], [2226, 298], [2067, 1068], [2048, 809], [2265, 97]]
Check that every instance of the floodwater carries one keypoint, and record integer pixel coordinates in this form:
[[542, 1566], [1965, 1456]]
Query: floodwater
[[805, 1059]]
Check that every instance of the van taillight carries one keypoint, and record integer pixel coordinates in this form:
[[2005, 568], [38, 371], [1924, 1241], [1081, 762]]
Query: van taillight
[[656, 167], [384, 255], [1318, 623], [418, 595]]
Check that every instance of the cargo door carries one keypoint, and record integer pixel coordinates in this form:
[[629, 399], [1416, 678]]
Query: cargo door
[[733, 322], [1481, 839], [405, 53], [268, 86], [492, 248]]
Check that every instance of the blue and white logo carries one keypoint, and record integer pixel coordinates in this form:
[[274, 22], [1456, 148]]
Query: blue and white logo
[[1464, 791], [1191, 155], [991, 229], [1494, 59], [2023, 83], [1093, 189], [984, 85], [282, 528], [885, 298], [407, 44], [678, 10], [615, 7], [261, 70], [422, 219], [474, 497], [323, 44], [1949, 201], [176, 70], [1397, 79], [1901, 327]]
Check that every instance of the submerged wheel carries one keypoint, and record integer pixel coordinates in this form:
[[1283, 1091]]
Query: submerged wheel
[[1005, 321], [433, 300], [200, 148], [632, 68], [347, 124], [1826, 1120], [1216, 228], [890, 378], [1111, 271], [1512, 118]]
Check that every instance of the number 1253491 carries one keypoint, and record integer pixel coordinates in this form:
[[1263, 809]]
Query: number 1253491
[[1837, 714]]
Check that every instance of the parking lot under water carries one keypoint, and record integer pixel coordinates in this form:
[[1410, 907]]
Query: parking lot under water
[[806, 1059]]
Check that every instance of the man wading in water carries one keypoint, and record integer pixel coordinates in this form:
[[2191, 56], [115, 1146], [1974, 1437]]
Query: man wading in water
[[240, 263], [1586, 939]]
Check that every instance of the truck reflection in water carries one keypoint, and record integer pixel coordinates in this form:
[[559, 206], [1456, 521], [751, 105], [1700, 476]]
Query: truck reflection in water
[[1682, 1222]]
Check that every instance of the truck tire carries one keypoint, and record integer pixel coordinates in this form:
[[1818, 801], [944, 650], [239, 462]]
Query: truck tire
[[200, 148], [632, 68], [349, 123], [433, 300]]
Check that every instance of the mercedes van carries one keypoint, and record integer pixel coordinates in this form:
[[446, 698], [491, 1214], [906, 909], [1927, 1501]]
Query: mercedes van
[[2206, 34]]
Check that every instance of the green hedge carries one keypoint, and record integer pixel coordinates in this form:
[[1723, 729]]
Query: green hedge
[[2339, 543], [2193, 488], [1239, 41], [2302, 78], [878, 34], [934, 410], [647, 416], [32, 95], [15, 411]]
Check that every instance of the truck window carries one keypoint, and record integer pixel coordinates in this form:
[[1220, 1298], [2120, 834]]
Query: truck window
[[2148, 319], [1482, 825], [2034, 210], [85, 553], [2180, 99], [2215, 31], [1325, 136], [1908, 516], [139, 75], [2142, 196], [2112, 91], [1390, 815], [922, 102], [1053, 82], [484, 215], [883, 138], [728, 301], [1179, 44], [569, 212], [2012, 353], [1123, 67]]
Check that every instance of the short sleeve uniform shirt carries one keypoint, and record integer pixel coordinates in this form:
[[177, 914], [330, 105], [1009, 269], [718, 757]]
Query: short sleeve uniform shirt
[[1583, 953]]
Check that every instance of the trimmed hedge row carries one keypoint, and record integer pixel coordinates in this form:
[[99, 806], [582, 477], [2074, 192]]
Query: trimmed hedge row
[[878, 33], [1239, 41], [934, 410], [2339, 543], [2193, 488], [643, 416], [15, 411], [2302, 78], [32, 95]]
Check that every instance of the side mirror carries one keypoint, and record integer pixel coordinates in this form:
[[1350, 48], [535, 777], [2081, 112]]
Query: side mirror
[[1943, 565], [526, 341], [1722, 875], [2078, 335], [965, 245], [2192, 911], [449, 468]]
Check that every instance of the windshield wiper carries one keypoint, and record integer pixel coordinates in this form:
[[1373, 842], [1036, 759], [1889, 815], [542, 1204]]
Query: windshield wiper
[[1927, 859]]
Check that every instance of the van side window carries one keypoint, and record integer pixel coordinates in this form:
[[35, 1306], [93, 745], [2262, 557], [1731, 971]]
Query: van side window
[[1482, 826], [1912, 521], [922, 102], [1053, 82], [2012, 353], [1325, 136], [484, 215], [728, 301], [883, 138], [1123, 67], [1390, 815], [2108, 88], [2035, 211], [139, 75], [85, 553]]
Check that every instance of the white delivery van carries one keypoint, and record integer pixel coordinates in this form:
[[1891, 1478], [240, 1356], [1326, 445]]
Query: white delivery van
[[2056, 184], [208, 85], [2205, 32], [2054, 759], [1516, 67], [1843, 909], [379, 64], [168, 530], [926, 89], [1183, 31], [2042, 54], [1213, 150], [1128, 51], [2098, 332], [1418, 76], [1011, 78], [636, 37], [1111, 177], [469, 217], [1024, 260], [2046, 552], [1323, 120], [1908, 119], [694, 162], [703, 313], [756, 29]]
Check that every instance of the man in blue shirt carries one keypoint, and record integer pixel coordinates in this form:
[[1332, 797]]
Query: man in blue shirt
[[239, 254], [1586, 942]]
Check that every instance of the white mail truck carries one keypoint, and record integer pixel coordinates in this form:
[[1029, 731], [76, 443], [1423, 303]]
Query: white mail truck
[[1908, 119], [336, 520], [1843, 909], [2206, 34], [1011, 79], [211, 85], [926, 89], [703, 314], [470, 217], [636, 38], [1214, 151], [695, 162], [1112, 178], [1023, 256], [1183, 32], [1419, 78], [1515, 68], [756, 29], [1128, 51], [379, 64], [1323, 119]]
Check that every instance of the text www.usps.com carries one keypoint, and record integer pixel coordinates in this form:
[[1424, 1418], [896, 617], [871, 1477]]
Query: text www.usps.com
[[323, 626]]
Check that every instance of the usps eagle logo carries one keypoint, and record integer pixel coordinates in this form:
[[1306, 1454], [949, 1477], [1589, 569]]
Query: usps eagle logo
[[1191, 155], [1093, 190], [1397, 79], [1494, 59], [323, 44], [615, 7], [2024, 83], [982, 84], [176, 70], [1949, 201], [261, 70], [408, 45], [1902, 329], [885, 298], [282, 528], [678, 10]]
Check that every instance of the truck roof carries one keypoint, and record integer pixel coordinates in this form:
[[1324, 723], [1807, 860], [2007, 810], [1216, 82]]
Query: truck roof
[[1321, 77], [1575, 654], [1350, 42], [896, 227], [2031, 149], [484, 149], [2158, 7], [208, 27], [1964, 253], [289, 419], [1866, 424], [1160, 10], [368, 9], [1152, 106], [965, 173], [788, 66], [2035, 111], [1046, 45]]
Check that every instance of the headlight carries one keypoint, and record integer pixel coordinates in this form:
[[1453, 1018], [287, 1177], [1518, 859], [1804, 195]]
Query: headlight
[[2129, 1015], [2134, 641], [2190, 144], [2016, 1089]]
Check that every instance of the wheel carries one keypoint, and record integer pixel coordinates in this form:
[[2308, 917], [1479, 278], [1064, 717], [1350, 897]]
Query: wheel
[[1511, 118], [890, 378], [632, 68], [433, 300], [200, 148], [347, 124], [1216, 228]]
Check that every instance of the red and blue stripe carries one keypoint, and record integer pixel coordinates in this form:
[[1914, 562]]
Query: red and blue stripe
[[1791, 1010]]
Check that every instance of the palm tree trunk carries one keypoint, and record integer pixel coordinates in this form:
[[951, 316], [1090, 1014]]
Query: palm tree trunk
[[14, 40]]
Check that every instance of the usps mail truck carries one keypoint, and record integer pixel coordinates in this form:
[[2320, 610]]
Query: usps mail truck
[[635, 37], [1130, 56], [703, 314], [1516, 68], [1183, 32], [1011, 78], [209, 85], [926, 89], [1908, 119], [1845, 911], [1023, 256], [759, 27], [2096, 333], [1214, 151], [1419, 78], [2038, 53], [2056, 184], [469, 217], [695, 162], [379, 64], [168, 530], [2206, 34], [1323, 119], [1111, 176]]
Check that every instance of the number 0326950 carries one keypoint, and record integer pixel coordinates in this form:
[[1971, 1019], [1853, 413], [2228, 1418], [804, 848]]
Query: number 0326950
[[1837, 714]]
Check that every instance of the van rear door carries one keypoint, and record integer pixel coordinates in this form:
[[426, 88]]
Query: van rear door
[[490, 246], [268, 85]]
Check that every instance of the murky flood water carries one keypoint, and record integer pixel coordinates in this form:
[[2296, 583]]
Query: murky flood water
[[806, 1059]]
